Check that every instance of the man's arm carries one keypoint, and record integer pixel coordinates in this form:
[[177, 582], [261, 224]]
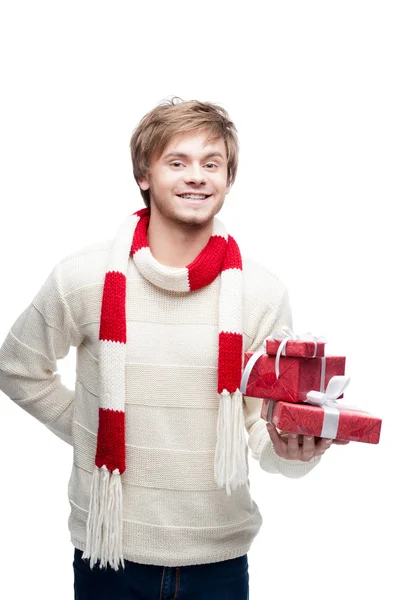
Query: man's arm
[[259, 440], [43, 333]]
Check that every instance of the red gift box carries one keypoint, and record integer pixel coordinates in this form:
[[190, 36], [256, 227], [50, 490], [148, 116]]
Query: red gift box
[[353, 425], [301, 348], [297, 376]]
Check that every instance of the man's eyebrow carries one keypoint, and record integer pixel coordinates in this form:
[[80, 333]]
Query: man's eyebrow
[[183, 155]]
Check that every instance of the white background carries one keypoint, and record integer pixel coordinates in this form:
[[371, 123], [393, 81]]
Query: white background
[[312, 87]]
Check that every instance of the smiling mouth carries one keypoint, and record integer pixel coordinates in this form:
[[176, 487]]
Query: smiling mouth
[[193, 198]]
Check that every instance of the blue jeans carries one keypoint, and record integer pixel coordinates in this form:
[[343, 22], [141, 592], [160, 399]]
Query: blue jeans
[[226, 580]]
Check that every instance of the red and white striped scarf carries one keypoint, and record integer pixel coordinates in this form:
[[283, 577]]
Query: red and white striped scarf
[[221, 256]]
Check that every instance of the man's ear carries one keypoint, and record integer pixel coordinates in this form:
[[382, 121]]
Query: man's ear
[[144, 184]]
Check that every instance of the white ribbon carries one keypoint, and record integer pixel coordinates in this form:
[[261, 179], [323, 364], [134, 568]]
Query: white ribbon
[[328, 402], [247, 371], [286, 334]]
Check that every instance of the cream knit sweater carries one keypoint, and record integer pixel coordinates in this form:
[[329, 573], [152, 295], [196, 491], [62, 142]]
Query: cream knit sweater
[[174, 514]]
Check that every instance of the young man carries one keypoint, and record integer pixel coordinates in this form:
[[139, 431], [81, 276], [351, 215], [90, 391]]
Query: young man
[[160, 317]]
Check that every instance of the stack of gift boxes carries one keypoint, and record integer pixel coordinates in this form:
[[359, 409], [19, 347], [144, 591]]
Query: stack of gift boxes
[[302, 390]]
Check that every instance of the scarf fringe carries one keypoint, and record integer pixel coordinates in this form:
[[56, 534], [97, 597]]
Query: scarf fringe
[[105, 521], [230, 466]]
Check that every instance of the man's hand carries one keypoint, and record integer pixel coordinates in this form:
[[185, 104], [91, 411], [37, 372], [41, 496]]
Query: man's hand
[[293, 447]]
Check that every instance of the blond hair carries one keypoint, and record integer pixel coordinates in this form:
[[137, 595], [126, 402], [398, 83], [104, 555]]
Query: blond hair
[[177, 117]]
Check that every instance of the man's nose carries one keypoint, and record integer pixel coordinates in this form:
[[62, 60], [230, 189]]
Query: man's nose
[[194, 174]]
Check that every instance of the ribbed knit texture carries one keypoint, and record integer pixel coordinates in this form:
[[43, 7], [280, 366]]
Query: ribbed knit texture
[[173, 514], [219, 257]]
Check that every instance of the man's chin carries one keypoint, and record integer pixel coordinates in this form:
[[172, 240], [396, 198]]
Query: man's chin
[[193, 218], [193, 221]]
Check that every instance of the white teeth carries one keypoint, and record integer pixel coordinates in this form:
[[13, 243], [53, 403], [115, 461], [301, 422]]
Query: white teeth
[[193, 196]]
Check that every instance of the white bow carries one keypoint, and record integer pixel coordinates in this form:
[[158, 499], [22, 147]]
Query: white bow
[[335, 388], [328, 402], [287, 332]]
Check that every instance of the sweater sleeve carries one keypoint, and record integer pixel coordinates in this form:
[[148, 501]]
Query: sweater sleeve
[[43, 333], [258, 437]]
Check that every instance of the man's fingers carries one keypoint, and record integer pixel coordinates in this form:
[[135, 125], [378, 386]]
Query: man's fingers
[[322, 446], [293, 446], [276, 441], [308, 448]]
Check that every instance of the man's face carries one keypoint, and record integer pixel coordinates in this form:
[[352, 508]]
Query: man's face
[[188, 165]]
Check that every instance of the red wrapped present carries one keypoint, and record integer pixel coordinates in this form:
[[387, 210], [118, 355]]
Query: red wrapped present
[[288, 343], [348, 424], [292, 380], [301, 348]]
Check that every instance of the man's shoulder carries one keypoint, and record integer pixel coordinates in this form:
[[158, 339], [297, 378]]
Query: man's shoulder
[[84, 267], [261, 282], [87, 251]]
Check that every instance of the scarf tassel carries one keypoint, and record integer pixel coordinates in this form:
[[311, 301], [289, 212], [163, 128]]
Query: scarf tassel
[[230, 467], [105, 525]]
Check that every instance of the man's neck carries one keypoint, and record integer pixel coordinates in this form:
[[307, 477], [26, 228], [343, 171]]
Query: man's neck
[[174, 245]]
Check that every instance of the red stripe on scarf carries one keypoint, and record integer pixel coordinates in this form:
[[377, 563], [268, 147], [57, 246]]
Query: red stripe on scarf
[[113, 309], [229, 362], [208, 264], [111, 440], [233, 256], [140, 233]]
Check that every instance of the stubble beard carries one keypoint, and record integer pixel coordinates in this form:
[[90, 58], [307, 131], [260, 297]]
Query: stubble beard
[[191, 221]]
